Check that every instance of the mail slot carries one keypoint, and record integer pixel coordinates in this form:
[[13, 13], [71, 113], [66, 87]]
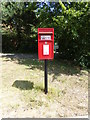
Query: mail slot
[[45, 43]]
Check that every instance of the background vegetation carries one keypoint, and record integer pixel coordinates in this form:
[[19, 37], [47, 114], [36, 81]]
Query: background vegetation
[[69, 20]]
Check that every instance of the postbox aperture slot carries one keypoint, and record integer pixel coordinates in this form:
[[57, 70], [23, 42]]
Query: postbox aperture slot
[[45, 33]]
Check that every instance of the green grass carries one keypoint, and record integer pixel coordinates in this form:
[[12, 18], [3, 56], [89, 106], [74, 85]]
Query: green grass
[[23, 82]]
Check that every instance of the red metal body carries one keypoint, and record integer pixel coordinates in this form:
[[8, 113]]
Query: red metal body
[[45, 43]]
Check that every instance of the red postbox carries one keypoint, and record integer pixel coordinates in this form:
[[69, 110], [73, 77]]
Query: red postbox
[[45, 43]]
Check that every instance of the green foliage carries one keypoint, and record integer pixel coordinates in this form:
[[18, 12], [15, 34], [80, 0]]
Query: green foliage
[[19, 21], [10, 44], [69, 20], [71, 25]]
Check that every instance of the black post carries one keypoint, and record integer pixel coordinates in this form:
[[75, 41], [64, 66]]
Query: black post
[[46, 86]]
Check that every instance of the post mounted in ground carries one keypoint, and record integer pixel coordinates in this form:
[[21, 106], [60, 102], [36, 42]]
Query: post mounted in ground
[[46, 49]]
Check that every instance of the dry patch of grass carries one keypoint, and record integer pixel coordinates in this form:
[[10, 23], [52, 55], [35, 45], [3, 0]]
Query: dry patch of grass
[[22, 89]]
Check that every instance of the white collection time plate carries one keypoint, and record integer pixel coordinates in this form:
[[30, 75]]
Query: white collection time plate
[[46, 37], [45, 49]]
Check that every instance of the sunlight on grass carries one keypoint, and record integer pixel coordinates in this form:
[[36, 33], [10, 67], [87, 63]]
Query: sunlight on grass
[[23, 84]]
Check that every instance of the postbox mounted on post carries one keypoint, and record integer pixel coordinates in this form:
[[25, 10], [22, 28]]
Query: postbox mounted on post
[[46, 48], [45, 43]]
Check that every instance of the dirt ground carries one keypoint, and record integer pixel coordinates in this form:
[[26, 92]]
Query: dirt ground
[[22, 85]]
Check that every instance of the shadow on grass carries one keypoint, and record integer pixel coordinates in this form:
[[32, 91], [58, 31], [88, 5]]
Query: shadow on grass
[[23, 85], [55, 67], [39, 88]]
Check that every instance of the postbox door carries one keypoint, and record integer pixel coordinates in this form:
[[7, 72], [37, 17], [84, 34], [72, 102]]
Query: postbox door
[[45, 50]]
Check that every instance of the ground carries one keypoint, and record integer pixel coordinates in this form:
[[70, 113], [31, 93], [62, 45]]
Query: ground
[[22, 88]]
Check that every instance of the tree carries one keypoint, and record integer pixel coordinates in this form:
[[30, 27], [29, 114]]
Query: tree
[[71, 25], [69, 20], [21, 20]]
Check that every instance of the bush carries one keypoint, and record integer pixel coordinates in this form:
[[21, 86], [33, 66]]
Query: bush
[[12, 44]]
